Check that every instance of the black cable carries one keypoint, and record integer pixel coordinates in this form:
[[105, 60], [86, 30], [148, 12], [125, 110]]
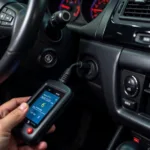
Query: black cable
[[65, 76]]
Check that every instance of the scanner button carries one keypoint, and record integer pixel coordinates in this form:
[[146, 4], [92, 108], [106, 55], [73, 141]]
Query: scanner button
[[30, 130]]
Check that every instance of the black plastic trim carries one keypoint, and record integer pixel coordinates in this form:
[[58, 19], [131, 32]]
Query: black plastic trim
[[111, 60], [104, 21], [116, 138], [139, 62], [135, 60]]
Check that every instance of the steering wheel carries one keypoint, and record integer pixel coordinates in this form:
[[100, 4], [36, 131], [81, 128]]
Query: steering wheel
[[21, 22]]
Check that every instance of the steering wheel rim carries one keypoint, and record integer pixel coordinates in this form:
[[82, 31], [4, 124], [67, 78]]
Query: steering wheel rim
[[21, 35]]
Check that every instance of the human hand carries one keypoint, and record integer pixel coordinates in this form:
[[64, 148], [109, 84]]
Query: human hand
[[11, 114]]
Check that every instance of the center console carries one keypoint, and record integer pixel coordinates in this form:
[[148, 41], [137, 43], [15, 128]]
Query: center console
[[123, 57], [134, 99], [135, 92], [124, 139], [124, 76], [129, 25]]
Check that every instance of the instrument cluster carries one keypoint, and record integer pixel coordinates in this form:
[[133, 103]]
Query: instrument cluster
[[89, 9]]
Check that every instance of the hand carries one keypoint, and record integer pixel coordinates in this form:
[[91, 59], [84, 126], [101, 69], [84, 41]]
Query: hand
[[11, 114]]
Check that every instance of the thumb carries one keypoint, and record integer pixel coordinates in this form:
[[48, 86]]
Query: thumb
[[14, 117]]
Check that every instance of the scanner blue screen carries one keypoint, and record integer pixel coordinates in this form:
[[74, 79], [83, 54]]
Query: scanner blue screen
[[41, 106]]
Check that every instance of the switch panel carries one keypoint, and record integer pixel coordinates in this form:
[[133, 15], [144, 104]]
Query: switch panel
[[7, 17], [131, 86], [131, 89]]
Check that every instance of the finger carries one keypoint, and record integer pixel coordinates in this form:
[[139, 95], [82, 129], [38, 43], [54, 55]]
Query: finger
[[11, 105], [52, 129], [26, 148], [41, 146], [14, 117]]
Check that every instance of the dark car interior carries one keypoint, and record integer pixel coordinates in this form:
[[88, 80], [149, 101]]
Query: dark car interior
[[110, 107]]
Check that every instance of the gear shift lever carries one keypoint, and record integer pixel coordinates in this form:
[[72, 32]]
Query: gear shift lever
[[129, 145]]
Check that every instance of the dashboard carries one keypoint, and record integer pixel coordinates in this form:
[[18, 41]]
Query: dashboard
[[85, 10], [116, 35]]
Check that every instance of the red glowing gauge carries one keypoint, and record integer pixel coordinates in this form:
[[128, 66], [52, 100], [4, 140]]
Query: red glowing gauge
[[97, 7], [73, 6]]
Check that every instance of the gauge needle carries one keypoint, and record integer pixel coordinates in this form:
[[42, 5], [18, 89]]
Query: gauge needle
[[97, 10], [65, 6]]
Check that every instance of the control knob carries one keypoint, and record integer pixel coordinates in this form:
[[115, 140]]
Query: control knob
[[131, 86]]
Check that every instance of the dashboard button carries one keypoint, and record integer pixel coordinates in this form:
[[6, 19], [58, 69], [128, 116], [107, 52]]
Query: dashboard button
[[48, 58], [129, 104], [10, 12], [131, 86], [5, 23], [2, 16], [4, 9], [143, 38], [8, 18]]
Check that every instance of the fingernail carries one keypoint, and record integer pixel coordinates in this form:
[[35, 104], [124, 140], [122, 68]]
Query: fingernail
[[23, 106]]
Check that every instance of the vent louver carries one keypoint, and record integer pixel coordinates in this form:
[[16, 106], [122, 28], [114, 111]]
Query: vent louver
[[140, 10]]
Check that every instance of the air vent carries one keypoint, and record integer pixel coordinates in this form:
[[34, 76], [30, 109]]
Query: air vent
[[135, 9]]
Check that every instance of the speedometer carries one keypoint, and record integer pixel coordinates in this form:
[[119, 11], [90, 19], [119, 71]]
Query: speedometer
[[73, 6], [92, 8], [97, 7]]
